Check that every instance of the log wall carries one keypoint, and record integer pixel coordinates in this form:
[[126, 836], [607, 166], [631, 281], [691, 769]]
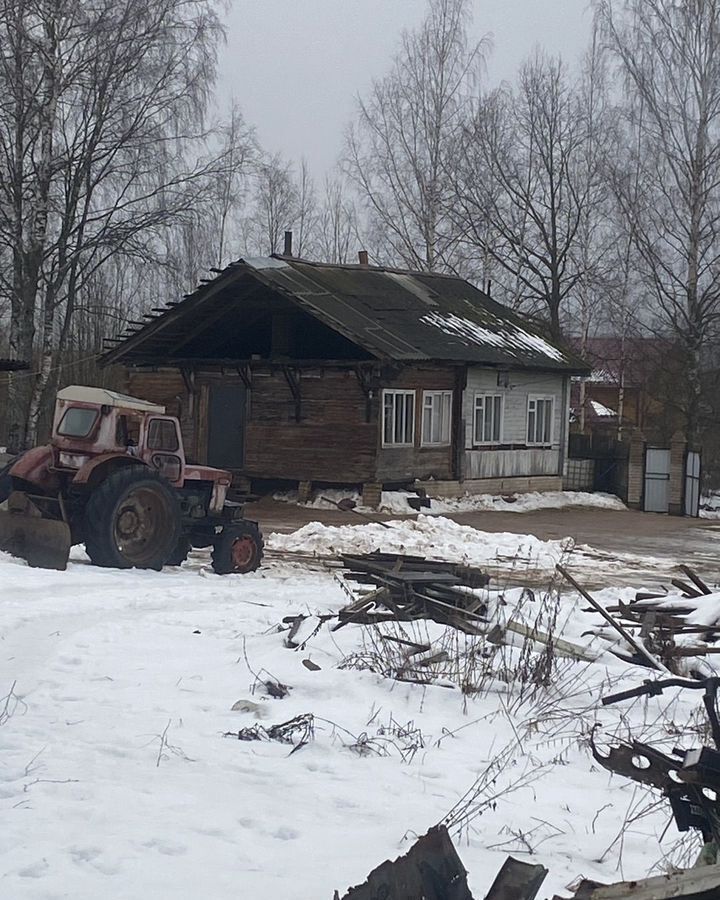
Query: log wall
[[334, 440]]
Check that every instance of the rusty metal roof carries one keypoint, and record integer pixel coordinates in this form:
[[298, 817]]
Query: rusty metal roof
[[391, 314]]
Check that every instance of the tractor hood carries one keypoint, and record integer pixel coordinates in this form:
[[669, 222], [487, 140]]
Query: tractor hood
[[207, 473]]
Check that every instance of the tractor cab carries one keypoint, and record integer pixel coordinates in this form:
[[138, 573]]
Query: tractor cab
[[91, 422]]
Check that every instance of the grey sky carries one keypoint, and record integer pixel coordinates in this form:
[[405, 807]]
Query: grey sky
[[296, 65]]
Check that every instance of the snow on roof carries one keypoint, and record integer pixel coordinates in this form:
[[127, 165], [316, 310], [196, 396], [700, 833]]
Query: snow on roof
[[104, 397], [265, 262], [602, 411], [509, 337]]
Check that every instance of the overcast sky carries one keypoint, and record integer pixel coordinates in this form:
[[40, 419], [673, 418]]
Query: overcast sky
[[296, 65]]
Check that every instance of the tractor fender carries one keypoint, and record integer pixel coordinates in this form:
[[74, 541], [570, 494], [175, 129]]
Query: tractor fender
[[100, 466], [36, 467]]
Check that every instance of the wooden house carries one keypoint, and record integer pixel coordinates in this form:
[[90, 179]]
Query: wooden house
[[286, 370]]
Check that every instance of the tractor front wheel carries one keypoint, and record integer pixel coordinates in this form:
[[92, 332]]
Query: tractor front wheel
[[238, 549], [132, 520]]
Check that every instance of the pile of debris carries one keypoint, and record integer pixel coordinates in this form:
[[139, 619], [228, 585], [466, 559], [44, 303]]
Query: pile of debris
[[406, 588], [664, 627], [433, 870]]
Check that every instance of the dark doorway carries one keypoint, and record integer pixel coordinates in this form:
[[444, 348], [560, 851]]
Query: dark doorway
[[226, 426]]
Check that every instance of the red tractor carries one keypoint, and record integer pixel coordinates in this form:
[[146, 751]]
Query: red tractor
[[114, 477]]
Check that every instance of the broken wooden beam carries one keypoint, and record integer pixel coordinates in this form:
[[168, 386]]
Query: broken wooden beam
[[696, 580]]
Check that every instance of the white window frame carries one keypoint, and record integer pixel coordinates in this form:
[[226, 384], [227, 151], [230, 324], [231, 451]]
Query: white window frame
[[545, 398], [445, 397], [485, 396], [395, 393]]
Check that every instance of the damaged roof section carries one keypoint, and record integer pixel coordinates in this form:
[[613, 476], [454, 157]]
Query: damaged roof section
[[389, 314]]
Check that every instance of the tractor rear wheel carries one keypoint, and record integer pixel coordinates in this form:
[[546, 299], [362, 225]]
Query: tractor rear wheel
[[180, 552], [238, 549], [132, 520]]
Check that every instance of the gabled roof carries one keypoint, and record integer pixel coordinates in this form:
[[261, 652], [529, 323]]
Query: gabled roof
[[389, 313]]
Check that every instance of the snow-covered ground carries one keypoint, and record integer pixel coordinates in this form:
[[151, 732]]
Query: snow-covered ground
[[117, 779], [710, 506], [396, 502], [509, 557]]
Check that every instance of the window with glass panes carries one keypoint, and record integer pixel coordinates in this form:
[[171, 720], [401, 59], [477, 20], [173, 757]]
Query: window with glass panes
[[437, 417], [488, 418], [398, 418], [540, 420]]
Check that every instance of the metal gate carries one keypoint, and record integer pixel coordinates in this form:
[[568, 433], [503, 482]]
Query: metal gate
[[692, 484], [657, 480]]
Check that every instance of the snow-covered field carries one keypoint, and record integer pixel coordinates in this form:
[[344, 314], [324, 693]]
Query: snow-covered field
[[117, 779]]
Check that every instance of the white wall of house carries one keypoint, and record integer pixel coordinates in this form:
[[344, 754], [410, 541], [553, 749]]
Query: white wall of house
[[511, 454]]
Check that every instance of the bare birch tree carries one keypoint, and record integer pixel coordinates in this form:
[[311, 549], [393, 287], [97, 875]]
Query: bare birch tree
[[239, 153], [276, 204], [522, 187], [337, 223], [399, 149], [669, 54], [101, 107]]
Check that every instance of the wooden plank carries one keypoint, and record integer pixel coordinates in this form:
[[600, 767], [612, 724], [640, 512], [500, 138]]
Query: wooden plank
[[685, 588], [694, 884], [696, 580]]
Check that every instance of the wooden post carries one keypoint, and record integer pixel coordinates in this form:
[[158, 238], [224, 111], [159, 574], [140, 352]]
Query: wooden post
[[678, 454], [636, 470], [371, 495]]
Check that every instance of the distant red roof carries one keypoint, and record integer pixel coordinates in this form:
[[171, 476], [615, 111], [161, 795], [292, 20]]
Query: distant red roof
[[636, 358]]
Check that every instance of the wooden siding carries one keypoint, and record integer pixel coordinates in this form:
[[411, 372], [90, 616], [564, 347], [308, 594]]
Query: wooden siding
[[514, 458], [332, 442], [401, 464], [167, 387]]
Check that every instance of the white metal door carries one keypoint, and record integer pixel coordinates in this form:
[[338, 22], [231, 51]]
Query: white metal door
[[692, 484], [657, 480]]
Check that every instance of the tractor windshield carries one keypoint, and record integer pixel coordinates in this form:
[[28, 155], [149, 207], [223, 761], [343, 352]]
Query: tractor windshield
[[77, 422]]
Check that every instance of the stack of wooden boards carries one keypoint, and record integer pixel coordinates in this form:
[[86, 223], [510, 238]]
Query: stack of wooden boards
[[405, 588]]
